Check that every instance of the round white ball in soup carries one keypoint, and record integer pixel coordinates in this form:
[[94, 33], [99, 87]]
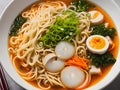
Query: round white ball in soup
[[72, 76], [55, 65], [52, 63], [64, 50]]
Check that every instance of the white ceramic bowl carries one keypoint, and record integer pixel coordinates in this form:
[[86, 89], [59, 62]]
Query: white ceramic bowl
[[16, 6]]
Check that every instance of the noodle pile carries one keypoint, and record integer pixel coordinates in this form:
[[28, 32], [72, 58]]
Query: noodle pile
[[25, 49]]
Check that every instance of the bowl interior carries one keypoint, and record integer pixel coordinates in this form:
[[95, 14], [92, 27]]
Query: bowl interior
[[17, 6]]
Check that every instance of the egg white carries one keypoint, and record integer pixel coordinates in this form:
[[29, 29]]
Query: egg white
[[99, 19]]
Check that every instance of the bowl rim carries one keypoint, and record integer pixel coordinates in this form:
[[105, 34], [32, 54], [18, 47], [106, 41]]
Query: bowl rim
[[107, 80]]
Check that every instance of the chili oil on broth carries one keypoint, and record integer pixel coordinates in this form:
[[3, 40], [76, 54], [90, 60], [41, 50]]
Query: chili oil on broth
[[95, 78]]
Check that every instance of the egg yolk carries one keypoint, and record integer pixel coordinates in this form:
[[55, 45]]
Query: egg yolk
[[95, 15], [97, 43]]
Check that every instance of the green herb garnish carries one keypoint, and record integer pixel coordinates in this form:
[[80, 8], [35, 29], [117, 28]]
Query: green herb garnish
[[82, 5], [62, 30], [102, 60], [102, 30], [18, 22]]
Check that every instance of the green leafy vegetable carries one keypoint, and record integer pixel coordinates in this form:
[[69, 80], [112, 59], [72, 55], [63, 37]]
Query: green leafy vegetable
[[82, 5], [19, 21], [62, 30], [102, 60], [101, 30]]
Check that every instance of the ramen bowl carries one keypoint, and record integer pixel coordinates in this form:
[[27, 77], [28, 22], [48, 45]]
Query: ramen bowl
[[17, 6]]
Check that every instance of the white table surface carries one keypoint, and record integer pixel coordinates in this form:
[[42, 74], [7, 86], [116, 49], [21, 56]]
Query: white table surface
[[115, 85]]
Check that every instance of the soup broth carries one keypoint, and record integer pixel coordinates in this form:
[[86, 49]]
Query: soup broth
[[105, 70], [33, 54]]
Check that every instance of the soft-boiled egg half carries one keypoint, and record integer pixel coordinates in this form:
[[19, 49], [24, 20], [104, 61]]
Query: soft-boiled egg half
[[96, 17], [97, 44]]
